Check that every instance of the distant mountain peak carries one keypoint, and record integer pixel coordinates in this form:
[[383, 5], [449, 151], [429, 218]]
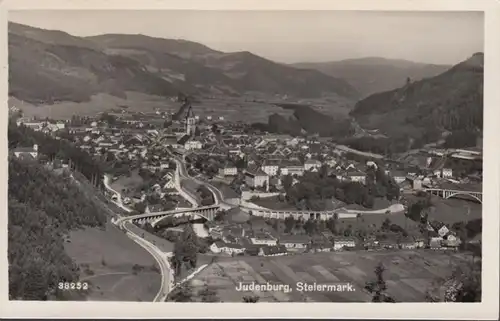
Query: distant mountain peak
[[476, 60]]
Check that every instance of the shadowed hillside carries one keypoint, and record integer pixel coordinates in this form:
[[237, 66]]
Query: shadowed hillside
[[44, 73], [423, 110], [47, 66]]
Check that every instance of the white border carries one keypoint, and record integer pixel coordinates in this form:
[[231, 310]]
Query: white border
[[488, 309]]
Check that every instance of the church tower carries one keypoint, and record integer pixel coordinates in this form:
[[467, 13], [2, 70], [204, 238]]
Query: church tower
[[190, 122]]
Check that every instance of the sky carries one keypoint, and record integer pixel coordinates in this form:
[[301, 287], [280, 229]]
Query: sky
[[289, 36]]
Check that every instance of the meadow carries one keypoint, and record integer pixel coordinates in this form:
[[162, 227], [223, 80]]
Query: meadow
[[409, 274], [107, 258]]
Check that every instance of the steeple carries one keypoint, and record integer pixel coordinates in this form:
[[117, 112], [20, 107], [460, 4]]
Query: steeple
[[190, 121]]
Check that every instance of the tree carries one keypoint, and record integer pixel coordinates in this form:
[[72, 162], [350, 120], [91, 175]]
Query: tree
[[185, 250], [208, 295], [42, 209], [182, 293], [220, 215], [289, 224], [463, 285], [310, 226], [287, 182], [378, 287], [386, 224], [331, 224]]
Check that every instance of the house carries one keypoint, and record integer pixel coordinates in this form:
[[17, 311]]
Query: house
[[407, 243], [170, 184], [228, 248], [270, 167], [273, 250], [292, 142], [193, 144], [340, 242], [388, 244], [435, 243], [312, 164], [371, 244], [399, 176], [263, 239], [256, 178], [331, 162], [440, 228], [451, 240], [446, 173], [228, 170], [292, 167], [419, 243], [26, 151], [294, 241], [355, 176]]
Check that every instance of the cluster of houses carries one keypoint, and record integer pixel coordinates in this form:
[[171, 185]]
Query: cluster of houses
[[241, 240]]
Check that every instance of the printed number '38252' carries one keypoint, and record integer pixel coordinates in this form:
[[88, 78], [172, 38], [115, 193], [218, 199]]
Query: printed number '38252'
[[73, 285]]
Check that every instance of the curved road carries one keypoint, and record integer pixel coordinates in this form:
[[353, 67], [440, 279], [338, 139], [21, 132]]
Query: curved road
[[159, 255], [219, 197]]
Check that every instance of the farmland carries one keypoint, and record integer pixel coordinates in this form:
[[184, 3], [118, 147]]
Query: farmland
[[107, 258], [231, 108], [408, 275]]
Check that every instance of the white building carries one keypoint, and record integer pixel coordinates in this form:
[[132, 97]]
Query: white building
[[356, 176], [257, 178], [26, 151], [341, 242], [294, 241], [228, 170], [447, 173], [311, 164], [293, 170], [193, 144], [263, 239], [271, 168], [228, 248]]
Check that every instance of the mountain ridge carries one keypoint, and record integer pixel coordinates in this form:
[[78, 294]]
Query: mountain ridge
[[424, 110], [51, 66], [370, 75]]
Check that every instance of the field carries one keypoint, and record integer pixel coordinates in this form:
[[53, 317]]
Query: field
[[231, 108], [110, 255], [274, 203], [159, 242], [127, 182], [447, 211], [408, 275]]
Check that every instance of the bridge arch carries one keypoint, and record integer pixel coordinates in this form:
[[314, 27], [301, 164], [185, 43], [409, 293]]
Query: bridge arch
[[473, 195]]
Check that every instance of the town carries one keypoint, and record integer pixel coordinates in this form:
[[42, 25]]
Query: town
[[277, 194]]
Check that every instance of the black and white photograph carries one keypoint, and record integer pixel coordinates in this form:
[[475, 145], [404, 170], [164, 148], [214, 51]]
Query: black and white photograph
[[247, 156]]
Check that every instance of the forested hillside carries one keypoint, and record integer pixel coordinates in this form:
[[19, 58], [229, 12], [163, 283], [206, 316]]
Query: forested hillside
[[420, 112], [306, 119], [50, 148], [43, 207]]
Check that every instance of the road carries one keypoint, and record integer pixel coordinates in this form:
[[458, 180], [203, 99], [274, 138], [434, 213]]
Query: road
[[219, 198], [160, 256]]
